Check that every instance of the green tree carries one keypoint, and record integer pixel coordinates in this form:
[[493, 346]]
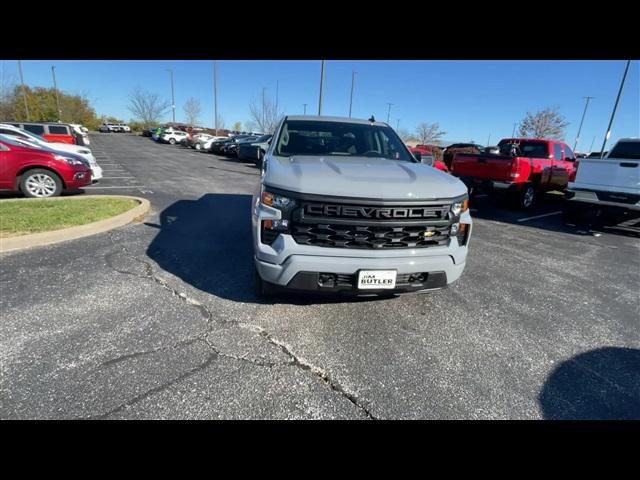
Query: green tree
[[237, 126]]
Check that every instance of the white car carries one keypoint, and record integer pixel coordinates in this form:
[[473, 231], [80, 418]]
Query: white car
[[81, 131], [173, 136], [37, 140], [206, 145], [109, 127], [124, 127]]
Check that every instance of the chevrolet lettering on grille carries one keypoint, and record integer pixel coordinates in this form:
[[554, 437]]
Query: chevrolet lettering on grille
[[372, 212]]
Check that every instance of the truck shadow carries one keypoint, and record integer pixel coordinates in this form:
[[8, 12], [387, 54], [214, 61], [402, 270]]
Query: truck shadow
[[602, 384], [549, 207], [207, 243]]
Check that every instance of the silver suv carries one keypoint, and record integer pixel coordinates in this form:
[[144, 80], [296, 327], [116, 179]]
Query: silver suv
[[344, 207]]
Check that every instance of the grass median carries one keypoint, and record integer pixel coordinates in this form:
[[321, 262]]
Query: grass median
[[22, 218]]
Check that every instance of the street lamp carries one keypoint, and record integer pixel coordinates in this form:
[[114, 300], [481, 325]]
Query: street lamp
[[353, 80], [615, 107], [575, 145], [389, 112], [173, 100], [321, 86], [55, 89]]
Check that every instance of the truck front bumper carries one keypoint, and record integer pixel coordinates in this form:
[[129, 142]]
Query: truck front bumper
[[323, 269]]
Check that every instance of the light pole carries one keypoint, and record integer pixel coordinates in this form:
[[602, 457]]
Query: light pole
[[321, 86], [389, 111], [24, 90], [513, 134], [575, 145], [55, 89], [173, 100], [592, 142], [353, 80], [489, 140], [398, 125], [277, 81], [215, 95], [305, 108], [613, 114]]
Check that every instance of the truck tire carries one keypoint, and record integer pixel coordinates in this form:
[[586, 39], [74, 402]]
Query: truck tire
[[263, 289], [40, 183], [524, 198]]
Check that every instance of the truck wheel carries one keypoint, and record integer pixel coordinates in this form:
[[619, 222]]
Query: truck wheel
[[263, 289], [198, 146], [40, 183], [524, 199]]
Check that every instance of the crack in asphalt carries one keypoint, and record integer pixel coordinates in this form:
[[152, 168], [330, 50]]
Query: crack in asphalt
[[295, 360]]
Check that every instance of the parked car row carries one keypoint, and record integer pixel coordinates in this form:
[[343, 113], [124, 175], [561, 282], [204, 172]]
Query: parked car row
[[39, 166], [115, 128]]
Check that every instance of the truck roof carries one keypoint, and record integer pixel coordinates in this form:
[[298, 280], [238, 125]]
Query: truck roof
[[322, 118]]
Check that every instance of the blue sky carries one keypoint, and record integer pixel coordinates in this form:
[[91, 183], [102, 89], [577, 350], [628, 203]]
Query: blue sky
[[469, 99]]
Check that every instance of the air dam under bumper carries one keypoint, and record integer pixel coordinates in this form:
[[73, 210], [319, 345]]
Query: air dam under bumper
[[303, 272]]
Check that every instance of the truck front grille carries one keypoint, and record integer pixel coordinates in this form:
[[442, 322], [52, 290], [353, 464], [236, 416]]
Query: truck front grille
[[370, 236]]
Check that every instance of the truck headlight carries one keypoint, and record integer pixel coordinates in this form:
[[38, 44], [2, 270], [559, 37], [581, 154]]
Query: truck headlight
[[458, 208], [277, 201]]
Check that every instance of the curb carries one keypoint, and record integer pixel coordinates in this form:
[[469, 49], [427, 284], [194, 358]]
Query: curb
[[23, 242]]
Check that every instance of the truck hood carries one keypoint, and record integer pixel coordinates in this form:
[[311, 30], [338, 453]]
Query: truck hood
[[361, 177]]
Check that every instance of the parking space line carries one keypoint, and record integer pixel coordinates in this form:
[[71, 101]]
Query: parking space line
[[98, 187], [539, 216], [111, 178]]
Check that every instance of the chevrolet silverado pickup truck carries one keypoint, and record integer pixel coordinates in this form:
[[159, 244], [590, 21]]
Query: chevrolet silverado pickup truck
[[343, 207], [606, 187], [524, 168]]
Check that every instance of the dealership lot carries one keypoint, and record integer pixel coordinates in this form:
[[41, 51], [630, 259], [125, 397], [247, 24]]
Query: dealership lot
[[159, 320]]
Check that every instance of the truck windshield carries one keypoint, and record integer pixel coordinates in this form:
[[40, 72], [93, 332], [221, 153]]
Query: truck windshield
[[630, 150], [309, 137], [525, 149]]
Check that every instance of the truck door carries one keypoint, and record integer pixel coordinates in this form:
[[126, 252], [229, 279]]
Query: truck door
[[559, 173]]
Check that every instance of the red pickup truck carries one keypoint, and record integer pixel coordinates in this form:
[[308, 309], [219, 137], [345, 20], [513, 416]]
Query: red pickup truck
[[524, 168], [433, 151]]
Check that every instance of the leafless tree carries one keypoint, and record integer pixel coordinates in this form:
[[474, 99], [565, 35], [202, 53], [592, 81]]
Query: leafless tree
[[547, 123], [8, 92], [429, 133], [192, 111], [264, 112], [146, 106], [406, 136]]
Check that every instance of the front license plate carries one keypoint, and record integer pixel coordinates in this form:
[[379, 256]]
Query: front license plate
[[376, 279]]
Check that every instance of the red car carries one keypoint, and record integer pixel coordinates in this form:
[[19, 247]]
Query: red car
[[523, 168], [38, 172], [432, 151]]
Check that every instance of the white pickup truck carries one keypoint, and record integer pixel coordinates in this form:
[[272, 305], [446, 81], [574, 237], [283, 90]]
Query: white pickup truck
[[606, 187]]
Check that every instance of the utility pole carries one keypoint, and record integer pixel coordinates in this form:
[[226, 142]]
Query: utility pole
[[24, 90], [305, 108], [398, 125], [389, 112], [615, 107], [353, 80], [575, 145], [173, 100], [215, 95], [489, 140], [592, 142], [321, 86], [277, 96], [264, 113], [55, 89], [513, 134]]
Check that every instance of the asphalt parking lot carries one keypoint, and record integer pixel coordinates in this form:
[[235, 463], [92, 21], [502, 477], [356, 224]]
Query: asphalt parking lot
[[159, 320]]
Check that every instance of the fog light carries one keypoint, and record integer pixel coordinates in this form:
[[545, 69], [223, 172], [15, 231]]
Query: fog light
[[280, 225], [454, 229], [79, 175]]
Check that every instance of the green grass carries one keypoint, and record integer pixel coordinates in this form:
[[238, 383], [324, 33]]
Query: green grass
[[21, 218]]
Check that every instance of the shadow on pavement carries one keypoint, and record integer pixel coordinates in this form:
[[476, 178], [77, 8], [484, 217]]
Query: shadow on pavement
[[550, 207], [207, 243], [602, 384]]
